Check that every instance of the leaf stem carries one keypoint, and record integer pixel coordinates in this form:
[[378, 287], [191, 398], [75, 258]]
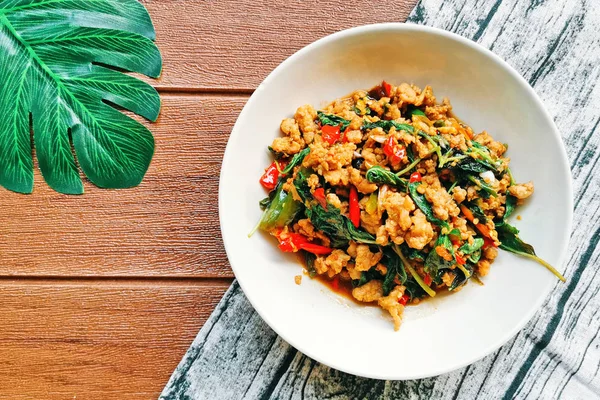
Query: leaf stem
[[253, 231], [510, 175], [452, 187], [544, 263], [409, 167], [483, 186]]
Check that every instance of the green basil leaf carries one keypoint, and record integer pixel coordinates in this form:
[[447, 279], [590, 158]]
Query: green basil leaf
[[296, 160], [413, 254], [413, 110], [483, 185], [507, 235], [333, 120], [475, 256], [511, 204], [454, 232], [382, 176], [460, 278], [394, 268], [471, 165], [476, 210], [471, 248], [434, 262], [387, 125], [512, 243], [366, 276]]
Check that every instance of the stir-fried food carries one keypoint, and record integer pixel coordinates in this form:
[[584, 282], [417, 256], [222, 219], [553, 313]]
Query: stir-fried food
[[388, 190]]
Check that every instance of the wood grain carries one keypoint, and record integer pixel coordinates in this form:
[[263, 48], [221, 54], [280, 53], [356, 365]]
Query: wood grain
[[168, 226], [555, 45], [81, 340], [102, 294], [212, 45]]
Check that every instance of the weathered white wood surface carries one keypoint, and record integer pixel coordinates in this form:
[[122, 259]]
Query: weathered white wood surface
[[555, 44]]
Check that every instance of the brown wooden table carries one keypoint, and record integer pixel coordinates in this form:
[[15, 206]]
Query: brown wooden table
[[101, 294]]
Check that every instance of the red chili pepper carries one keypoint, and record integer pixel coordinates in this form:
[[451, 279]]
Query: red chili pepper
[[459, 259], [404, 299], [427, 279], [487, 242], [388, 147], [319, 195], [415, 177], [354, 207], [387, 88], [399, 154], [330, 134], [292, 242], [335, 283], [315, 248], [270, 177], [394, 151]]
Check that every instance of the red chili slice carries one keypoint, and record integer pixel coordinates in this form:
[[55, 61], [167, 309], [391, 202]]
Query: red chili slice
[[330, 134], [319, 195], [315, 248], [427, 279], [393, 150], [270, 177], [415, 177], [292, 242], [354, 207], [387, 88], [404, 299]]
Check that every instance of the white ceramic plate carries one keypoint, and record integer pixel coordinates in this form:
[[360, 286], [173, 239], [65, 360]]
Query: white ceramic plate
[[447, 332]]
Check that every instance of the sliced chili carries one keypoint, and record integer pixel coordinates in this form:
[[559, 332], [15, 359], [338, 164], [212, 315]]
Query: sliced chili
[[354, 207], [459, 259], [487, 242], [319, 195], [404, 299], [415, 177], [330, 134], [387, 88], [315, 248], [394, 151], [427, 279], [270, 177], [292, 242]]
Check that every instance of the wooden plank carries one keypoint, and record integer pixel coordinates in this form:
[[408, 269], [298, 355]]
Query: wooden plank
[[226, 45], [555, 45], [115, 340], [168, 226]]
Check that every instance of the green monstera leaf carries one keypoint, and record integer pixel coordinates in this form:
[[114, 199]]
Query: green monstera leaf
[[60, 83]]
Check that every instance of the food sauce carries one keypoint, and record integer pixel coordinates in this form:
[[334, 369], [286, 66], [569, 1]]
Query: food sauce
[[341, 287]]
